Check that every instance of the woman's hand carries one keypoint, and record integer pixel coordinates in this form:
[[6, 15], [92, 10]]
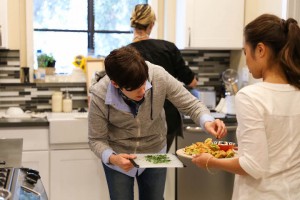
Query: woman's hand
[[122, 160], [217, 128], [201, 159]]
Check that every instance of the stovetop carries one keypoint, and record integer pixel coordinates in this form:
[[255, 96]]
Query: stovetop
[[16, 183], [6, 175]]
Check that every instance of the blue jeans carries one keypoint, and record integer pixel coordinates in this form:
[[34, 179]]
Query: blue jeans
[[151, 184]]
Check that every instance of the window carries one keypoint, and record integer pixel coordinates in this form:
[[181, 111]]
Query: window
[[67, 28]]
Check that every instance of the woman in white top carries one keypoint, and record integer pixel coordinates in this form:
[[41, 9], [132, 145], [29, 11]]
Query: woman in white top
[[268, 115]]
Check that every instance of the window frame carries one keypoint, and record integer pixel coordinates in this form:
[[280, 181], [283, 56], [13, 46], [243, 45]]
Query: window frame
[[30, 30]]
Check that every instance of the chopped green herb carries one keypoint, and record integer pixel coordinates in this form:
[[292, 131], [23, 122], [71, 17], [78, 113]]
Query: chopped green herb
[[156, 159]]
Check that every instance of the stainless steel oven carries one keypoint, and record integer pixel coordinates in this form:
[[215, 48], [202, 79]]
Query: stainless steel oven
[[19, 184], [196, 183]]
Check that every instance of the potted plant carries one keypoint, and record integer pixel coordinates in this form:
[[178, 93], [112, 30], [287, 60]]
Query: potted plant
[[46, 61]]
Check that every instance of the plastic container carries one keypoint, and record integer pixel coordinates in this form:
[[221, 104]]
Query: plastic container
[[57, 98], [67, 103]]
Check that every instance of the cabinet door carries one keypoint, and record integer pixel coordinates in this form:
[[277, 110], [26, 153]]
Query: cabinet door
[[213, 24], [3, 23], [77, 175], [38, 160], [34, 138]]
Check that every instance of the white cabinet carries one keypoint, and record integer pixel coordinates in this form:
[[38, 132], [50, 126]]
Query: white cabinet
[[35, 153], [3, 23], [77, 175], [209, 24], [75, 172]]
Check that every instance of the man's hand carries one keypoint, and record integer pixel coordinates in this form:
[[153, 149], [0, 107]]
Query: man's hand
[[122, 160], [217, 128]]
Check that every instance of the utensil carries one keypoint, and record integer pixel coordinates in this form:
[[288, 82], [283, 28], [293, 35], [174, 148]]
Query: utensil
[[230, 78]]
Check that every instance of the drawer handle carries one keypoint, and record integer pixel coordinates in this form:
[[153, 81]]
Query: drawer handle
[[193, 129], [199, 129]]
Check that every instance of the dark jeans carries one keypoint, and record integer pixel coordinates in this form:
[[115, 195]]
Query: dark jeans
[[151, 184]]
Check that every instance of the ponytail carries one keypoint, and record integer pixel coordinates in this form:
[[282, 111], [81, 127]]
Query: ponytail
[[290, 53]]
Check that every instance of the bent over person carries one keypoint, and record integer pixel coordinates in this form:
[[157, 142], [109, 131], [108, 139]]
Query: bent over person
[[126, 117]]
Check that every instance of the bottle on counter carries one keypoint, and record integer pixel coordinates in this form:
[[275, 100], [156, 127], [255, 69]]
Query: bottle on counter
[[57, 102], [67, 102]]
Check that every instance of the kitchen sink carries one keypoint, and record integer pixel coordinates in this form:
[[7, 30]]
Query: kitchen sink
[[66, 116], [68, 128]]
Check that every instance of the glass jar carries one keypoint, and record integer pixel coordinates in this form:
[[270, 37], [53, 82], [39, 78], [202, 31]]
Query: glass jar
[[67, 103], [57, 102]]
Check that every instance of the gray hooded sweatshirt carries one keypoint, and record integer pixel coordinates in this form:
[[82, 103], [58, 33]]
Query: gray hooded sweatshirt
[[121, 132]]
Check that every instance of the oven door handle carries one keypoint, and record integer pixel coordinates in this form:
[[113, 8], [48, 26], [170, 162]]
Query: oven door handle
[[196, 129]]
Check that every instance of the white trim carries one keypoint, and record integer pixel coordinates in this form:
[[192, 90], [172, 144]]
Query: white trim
[[284, 9], [4, 23], [154, 6], [29, 33], [293, 9]]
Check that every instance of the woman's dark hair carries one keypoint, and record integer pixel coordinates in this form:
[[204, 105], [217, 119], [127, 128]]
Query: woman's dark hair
[[282, 37], [126, 67]]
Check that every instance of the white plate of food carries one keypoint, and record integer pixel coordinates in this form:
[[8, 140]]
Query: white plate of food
[[222, 150]]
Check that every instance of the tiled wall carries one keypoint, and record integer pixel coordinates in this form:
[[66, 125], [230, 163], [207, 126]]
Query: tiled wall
[[208, 65], [37, 96], [9, 66], [32, 96]]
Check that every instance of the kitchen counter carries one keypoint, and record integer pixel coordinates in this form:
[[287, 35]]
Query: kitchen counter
[[23, 122], [31, 122], [228, 120]]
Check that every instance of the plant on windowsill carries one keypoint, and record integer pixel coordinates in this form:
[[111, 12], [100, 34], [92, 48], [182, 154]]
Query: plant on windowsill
[[48, 62]]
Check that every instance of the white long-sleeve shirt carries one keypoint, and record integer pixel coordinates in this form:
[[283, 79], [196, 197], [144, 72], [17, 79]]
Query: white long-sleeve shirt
[[268, 135]]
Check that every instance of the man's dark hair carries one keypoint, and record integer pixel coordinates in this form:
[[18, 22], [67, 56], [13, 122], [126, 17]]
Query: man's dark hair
[[126, 67]]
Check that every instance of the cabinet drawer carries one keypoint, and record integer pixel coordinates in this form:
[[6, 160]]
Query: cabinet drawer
[[68, 131], [34, 138]]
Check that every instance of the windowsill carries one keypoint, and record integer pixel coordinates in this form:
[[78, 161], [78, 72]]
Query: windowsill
[[64, 79]]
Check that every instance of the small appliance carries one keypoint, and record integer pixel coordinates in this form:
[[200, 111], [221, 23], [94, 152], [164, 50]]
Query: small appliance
[[230, 79]]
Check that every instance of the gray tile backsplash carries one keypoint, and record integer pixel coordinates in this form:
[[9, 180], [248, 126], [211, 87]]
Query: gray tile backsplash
[[32, 96], [207, 64]]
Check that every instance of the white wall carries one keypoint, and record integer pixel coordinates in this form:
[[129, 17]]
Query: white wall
[[254, 8]]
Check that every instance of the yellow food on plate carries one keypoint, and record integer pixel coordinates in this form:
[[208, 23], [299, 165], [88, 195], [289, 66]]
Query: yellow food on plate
[[208, 147]]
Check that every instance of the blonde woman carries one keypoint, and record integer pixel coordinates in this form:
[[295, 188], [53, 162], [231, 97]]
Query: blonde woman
[[164, 54]]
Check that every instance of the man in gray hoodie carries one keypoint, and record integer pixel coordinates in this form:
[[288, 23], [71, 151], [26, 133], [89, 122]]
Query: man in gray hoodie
[[126, 117]]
